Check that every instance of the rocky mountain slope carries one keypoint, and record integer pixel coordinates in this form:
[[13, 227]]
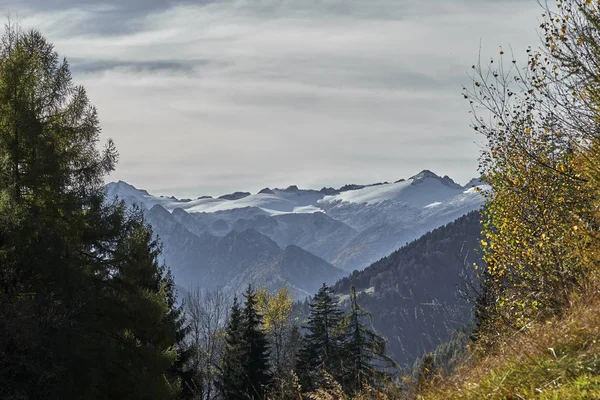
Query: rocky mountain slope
[[298, 235], [237, 259]]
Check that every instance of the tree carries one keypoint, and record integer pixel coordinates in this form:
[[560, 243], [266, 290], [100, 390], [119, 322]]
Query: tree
[[276, 310], [231, 382], [321, 347], [292, 348], [364, 359], [182, 368], [50, 189], [84, 305], [540, 123], [145, 303], [284, 339], [207, 315], [245, 362], [256, 362]]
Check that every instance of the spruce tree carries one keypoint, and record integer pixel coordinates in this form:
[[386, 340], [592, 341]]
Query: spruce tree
[[232, 378], [364, 358], [182, 369], [256, 344], [245, 364], [321, 346], [146, 339]]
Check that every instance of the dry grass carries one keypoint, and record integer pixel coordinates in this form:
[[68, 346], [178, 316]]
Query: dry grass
[[557, 359]]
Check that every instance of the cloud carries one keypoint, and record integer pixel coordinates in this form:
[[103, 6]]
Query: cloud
[[210, 97]]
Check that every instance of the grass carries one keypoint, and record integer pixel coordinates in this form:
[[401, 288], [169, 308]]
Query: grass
[[558, 359]]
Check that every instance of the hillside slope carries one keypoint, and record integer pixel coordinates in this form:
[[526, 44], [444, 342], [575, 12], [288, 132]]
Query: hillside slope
[[556, 359], [413, 294]]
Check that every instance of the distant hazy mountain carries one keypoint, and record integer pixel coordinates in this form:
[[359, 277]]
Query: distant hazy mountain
[[301, 236], [236, 259]]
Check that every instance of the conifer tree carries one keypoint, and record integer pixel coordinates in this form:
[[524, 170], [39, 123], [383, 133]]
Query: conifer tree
[[84, 309], [256, 362], [147, 336], [50, 190], [232, 378], [321, 346], [245, 364], [181, 369], [364, 358]]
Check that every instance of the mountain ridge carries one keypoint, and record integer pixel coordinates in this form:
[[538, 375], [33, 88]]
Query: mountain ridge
[[239, 238], [292, 188]]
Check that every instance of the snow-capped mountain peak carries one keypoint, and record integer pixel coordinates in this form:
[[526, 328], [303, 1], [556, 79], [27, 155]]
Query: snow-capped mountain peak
[[296, 235], [427, 174], [420, 190], [417, 191]]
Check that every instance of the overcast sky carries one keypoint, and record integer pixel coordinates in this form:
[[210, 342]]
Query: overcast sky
[[206, 97]]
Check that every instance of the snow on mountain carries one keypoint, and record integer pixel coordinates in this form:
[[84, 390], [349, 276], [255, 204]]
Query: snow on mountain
[[419, 190], [474, 182], [346, 228], [276, 201]]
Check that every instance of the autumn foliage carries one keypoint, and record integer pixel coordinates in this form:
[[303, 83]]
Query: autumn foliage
[[541, 162]]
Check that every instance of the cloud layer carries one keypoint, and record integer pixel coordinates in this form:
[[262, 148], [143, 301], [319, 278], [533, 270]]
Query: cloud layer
[[204, 97]]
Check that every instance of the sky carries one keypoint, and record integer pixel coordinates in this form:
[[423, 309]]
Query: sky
[[206, 97]]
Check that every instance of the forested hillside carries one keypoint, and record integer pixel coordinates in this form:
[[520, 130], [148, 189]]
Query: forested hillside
[[417, 295]]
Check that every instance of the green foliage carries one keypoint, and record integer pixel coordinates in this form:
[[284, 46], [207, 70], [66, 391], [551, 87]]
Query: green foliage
[[364, 360], [146, 342], [181, 368], [341, 351], [245, 364], [322, 344], [257, 348], [85, 309], [233, 375]]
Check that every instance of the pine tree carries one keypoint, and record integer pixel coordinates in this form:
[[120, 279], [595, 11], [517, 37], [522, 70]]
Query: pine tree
[[256, 362], [321, 346], [364, 358], [181, 369], [232, 379], [146, 342]]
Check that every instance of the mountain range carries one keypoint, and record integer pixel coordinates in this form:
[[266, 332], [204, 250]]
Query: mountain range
[[296, 237]]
